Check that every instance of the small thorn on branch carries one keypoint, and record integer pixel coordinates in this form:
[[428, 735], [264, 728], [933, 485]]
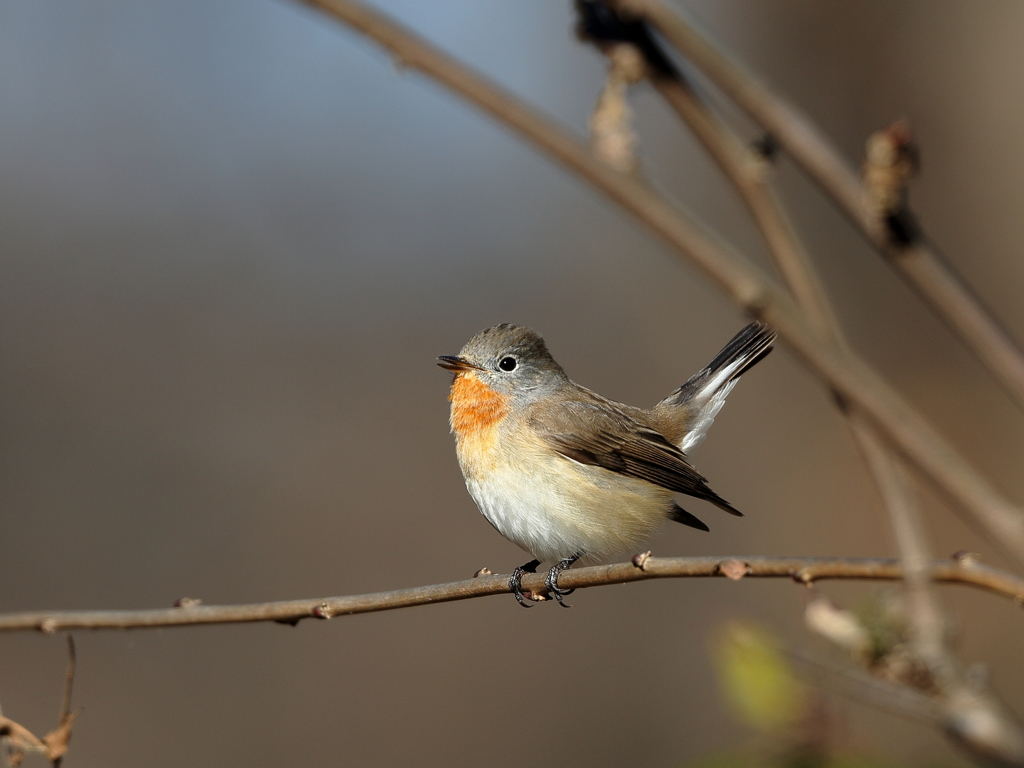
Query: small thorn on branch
[[965, 558], [639, 561], [485, 571], [321, 611], [733, 569], [802, 577], [187, 602]]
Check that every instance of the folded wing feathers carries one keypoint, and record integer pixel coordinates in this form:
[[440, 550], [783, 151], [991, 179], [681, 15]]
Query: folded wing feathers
[[644, 454]]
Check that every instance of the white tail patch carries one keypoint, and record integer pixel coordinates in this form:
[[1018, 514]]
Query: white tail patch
[[707, 405], [703, 395]]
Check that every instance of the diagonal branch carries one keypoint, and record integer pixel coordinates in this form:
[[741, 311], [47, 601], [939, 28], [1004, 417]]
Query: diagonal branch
[[961, 704], [747, 170], [919, 263], [748, 174], [854, 379], [804, 570], [742, 167]]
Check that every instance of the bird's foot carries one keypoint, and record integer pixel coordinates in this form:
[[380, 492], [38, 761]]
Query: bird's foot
[[516, 582], [551, 581]]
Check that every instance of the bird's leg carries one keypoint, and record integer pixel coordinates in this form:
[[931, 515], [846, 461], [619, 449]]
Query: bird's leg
[[551, 582], [516, 582]]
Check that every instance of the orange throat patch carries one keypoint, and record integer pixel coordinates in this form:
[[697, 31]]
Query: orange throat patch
[[477, 410]]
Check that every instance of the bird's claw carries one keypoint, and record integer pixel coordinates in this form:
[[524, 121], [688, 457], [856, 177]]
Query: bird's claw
[[515, 583], [551, 580]]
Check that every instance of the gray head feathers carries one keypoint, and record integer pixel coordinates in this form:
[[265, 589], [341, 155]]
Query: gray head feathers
[[514, 359]]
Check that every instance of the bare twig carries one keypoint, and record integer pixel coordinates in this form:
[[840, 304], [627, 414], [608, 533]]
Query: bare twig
[[57, 740], [748, 170], [805, 570], [932, 277], [69, 679], [918, 262], [912, 435], [748, 174], [18, 741]]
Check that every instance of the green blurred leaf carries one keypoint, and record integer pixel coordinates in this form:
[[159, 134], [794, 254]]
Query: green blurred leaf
[[756, 679]]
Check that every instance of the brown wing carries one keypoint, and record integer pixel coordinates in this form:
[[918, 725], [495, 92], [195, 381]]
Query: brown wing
[[601, 436]]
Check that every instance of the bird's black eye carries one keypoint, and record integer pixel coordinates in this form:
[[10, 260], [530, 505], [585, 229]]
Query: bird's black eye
[[507, 363]]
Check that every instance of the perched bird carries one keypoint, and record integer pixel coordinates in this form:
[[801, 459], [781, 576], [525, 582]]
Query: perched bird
[[567, 474]]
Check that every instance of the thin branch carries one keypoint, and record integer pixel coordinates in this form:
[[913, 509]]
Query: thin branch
[[57, 740], [914, 437], [18, 741], [69, 680], [919, 264], [748, 172], [936, 281], [805, 570]]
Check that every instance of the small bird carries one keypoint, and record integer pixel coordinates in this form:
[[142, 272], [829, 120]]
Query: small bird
[[567, 474]]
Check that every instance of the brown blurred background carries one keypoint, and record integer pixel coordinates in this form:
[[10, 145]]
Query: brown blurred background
[[234, 237]]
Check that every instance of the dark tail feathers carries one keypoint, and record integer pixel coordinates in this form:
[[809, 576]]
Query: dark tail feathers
[[748, 347]]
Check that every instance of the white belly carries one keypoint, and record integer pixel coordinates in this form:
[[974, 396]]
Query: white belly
[[554, 507]]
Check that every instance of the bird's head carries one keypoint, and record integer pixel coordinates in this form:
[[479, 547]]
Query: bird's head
[[510, 359]]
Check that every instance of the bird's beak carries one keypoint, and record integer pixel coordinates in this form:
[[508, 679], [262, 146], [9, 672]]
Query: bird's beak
[[457, 364]]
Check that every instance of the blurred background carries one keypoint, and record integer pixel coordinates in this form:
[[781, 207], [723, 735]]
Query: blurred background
[[234, 237]]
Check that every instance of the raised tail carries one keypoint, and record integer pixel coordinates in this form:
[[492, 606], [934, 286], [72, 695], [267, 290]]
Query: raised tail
[[703, 395]]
